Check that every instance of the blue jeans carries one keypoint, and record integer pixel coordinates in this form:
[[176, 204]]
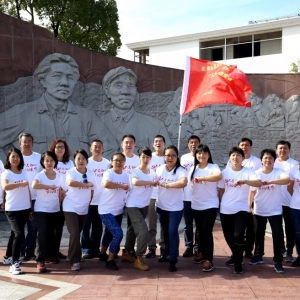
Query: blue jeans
[[29, 243], [170, 221], [295, 217], [113, 233], [189, 228], [91, 232]]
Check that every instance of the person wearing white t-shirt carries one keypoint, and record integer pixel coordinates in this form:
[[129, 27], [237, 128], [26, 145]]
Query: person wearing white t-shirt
[[157, 160], [267, 207], [132, 160], [172, 179], [115, 184], [80, 181], [187, 161], [47, 207], [92, 227], [294, 188], [254, 163], [32, 167], [203, 178], [63, 153], [142, 182], [233, 195], [286, 163], [17, 206]]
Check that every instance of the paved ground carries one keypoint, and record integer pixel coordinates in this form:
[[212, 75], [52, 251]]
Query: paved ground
[[189, 282]]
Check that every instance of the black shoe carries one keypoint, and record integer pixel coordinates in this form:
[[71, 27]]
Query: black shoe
[[162, 251], [188, 252], [103, 256], [29, 257], [230, 262], [111, 265], [151, 253], [61, 256], [249, 255], [238, 269], [296, 262], [163, 259], [172, 266]]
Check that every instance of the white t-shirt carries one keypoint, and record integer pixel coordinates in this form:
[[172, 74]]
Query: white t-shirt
[[235, 199], [155, 162], [139, 196], [170, 199], [112, 201], [286, 166], [19, 198], [48, 200], [98, 167], [187, 161], [131, 163], [1, 171], [267, 198], [253, 163], [32, 166], [295, 176], [204, 194], [78, 198], [62, 169]]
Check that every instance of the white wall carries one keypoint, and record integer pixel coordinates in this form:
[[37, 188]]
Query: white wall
[[173, 55]]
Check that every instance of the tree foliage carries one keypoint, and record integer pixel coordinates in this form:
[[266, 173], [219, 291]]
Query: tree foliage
[[295, 67], [92, 24]]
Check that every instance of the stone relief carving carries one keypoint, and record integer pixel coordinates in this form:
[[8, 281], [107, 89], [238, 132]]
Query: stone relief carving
[[81, 112]]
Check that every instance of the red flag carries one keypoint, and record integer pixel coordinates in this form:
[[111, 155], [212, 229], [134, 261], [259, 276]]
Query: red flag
[[207, 82]]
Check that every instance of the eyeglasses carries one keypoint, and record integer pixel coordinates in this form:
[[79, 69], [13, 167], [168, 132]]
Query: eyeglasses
[[59, 147], [118, 160], [84, 178], [171, 156]]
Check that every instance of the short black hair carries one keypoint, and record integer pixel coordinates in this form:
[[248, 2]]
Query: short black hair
[[96, 141], [128, 136], [25, 134], [236, 150], [160, 136], [146, 151], [245, 140], [83, 153], [7, 164], [194, 137], [52, 155], [268, 151], [283, 142]]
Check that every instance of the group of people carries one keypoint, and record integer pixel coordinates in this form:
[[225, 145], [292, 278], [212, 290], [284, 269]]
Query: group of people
[[47, 190]]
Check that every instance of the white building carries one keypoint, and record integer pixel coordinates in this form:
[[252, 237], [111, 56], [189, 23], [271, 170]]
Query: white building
[[260, 47]]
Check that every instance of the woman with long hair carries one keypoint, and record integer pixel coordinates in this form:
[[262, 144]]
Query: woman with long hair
[[169, 206], [80, 181], [46, 210], [205, 203], [17, 206], [62, 152], [111, 205]]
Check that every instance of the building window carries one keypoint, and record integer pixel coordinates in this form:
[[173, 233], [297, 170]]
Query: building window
[[141, 56], [242, 46]]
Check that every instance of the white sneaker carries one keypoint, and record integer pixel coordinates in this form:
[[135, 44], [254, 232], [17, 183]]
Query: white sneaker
[[75, 267], [15, 269], [7, 260]]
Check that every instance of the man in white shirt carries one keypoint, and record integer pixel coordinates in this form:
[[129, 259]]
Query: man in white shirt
[[92, 227], [32, 166], [254, 163], [286, 163], [187, 161], [157, 160]]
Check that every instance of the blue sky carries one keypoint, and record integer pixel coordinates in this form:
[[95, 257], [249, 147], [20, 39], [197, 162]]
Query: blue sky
[[142, 20]]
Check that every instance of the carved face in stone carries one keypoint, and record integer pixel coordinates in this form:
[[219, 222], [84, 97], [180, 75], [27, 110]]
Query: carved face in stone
[[122, 91], [60, 81]]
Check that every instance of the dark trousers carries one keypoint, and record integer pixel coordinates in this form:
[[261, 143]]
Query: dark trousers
[[74, 224], [289, 230], [17, 221], [295, 217], [29, 243], [250, 234], [60, 221], [91, 232], [277, 235], [234, 226], [46, 223], [189, 228], [205, 220]]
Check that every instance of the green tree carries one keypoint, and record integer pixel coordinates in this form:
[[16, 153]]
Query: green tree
[[92, 24], [295, 67]]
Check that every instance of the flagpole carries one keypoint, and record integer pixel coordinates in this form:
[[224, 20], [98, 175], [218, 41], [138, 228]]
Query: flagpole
[[179, 133]]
